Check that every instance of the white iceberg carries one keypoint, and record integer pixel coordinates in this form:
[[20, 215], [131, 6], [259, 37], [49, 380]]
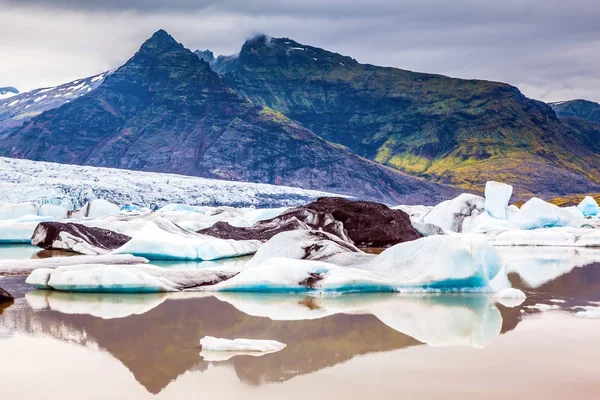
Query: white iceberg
[[558, 236], [156, 243], [100, 278], [436, 263], [537, 213], [456, 215], [497, 196], [210, 343], [20, 230], [56, 212], [25, 267], [14, 211], [96, 208], [588, 207]]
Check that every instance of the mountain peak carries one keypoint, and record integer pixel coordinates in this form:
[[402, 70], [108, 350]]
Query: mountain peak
[[160, 41]]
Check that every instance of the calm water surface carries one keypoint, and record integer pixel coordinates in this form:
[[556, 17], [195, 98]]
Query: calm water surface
[[57, 345]]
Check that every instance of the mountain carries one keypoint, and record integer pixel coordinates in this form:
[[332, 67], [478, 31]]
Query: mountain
[[166, 110], [205, 55], [8, 91], [20, 108], [455, 131], [584, 109]]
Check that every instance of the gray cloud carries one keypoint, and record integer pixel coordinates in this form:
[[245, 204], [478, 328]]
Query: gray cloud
[[548, 48]]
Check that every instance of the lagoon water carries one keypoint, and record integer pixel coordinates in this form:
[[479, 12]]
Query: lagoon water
[[57, 345]]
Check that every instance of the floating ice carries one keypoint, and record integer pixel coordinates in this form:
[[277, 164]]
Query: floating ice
[[25, 267], [100, 278], [536, 213], [97, 208], [210, 343], [156, 243], [436, 263], [15, 211], [588, 206], [457, 214], [497, 196], [56, 212], [21, 229], [559, 236]]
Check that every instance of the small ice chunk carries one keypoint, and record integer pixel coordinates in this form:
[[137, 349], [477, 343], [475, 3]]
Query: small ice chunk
[[456, 215], [588, 206], [210, 343], [497, 196]]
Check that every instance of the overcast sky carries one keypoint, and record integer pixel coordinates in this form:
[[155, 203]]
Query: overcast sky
[[550, 49]]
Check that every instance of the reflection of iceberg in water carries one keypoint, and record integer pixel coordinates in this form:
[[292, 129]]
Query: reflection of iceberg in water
[[437, 320], [105, 306], [158, 341], [539, 265]]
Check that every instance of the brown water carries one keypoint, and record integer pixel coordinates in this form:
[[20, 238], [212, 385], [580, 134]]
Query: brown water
[[88, 346]]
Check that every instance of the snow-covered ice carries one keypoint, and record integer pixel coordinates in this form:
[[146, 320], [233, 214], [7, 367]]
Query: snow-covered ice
[[456, 215], [436, 263], [44, 182], [25, 267], [497, 196], [122, 278], [588, 207], [156, 243], [21, 229]]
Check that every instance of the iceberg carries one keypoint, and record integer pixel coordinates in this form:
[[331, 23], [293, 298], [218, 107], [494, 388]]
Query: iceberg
[[497, 196], [21, 229], [435, 263], [25, 267], [456, 215], [96, 208], [77, 238], [536, 213], [559, 236], [209, 343], [588, 207], [156, 243], [101, 278], [56, 212], [104, 305], [15, 211]]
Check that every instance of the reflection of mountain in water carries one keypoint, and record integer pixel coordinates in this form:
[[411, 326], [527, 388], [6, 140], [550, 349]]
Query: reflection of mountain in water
[[163, 342]]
